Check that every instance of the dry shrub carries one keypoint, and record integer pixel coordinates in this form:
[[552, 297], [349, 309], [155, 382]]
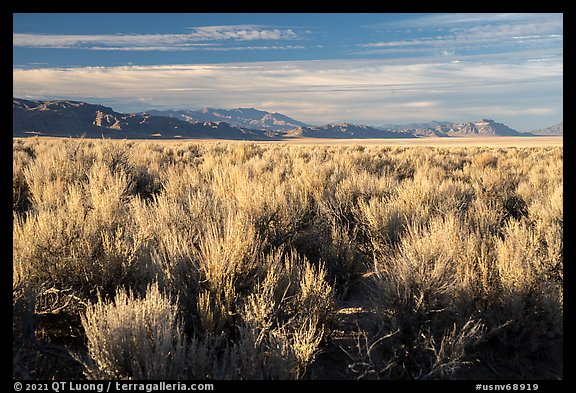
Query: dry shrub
[[486, 159], [21, 158], [417, 293], [72, 247], [290, 309], [227, 259], [256, 357], [525, 308], [256, 240], [135, 338]]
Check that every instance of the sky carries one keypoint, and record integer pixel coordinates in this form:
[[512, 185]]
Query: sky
[[373, 69]]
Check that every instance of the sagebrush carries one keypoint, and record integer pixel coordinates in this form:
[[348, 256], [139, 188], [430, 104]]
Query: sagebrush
[[164, 260]]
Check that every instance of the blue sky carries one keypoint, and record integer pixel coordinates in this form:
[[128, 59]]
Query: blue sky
[[363, 68]]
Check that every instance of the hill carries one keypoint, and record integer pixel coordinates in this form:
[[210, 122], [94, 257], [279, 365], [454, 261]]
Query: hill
[[556, 129], [347, 130], [65, 118], [484, 127], [239, 117], [71, 118]]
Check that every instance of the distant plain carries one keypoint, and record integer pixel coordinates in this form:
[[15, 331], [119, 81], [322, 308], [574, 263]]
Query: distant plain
[[497, 141]]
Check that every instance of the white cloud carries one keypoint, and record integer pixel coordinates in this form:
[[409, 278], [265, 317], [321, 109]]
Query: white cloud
[[242, 33], [367, 91], [481, 32], [195, 40], [421, 104], [194, 48]]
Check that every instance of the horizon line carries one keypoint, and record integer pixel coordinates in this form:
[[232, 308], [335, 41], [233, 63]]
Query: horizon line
[[306, 124]]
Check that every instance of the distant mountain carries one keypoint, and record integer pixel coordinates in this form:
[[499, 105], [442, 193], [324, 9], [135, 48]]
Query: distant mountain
[[414, 126], [239, 117], [484, 127], [556, 129], [72, 118], [346, 130]]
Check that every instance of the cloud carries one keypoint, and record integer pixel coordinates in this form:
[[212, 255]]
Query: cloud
[[421, 104], [243, 33], [194, 48], [367, 91], [199, 38], [466, 32]]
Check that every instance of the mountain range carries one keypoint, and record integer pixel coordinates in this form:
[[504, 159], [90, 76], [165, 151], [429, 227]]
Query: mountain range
[[65, 118], [484, 127], [71, 118], [346, 130], [556, 129], [238, 117]]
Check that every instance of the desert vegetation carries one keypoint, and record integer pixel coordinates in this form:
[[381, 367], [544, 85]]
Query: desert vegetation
[[187, 260]]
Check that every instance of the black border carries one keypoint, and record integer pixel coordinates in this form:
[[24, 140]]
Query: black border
[[321, 7]]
